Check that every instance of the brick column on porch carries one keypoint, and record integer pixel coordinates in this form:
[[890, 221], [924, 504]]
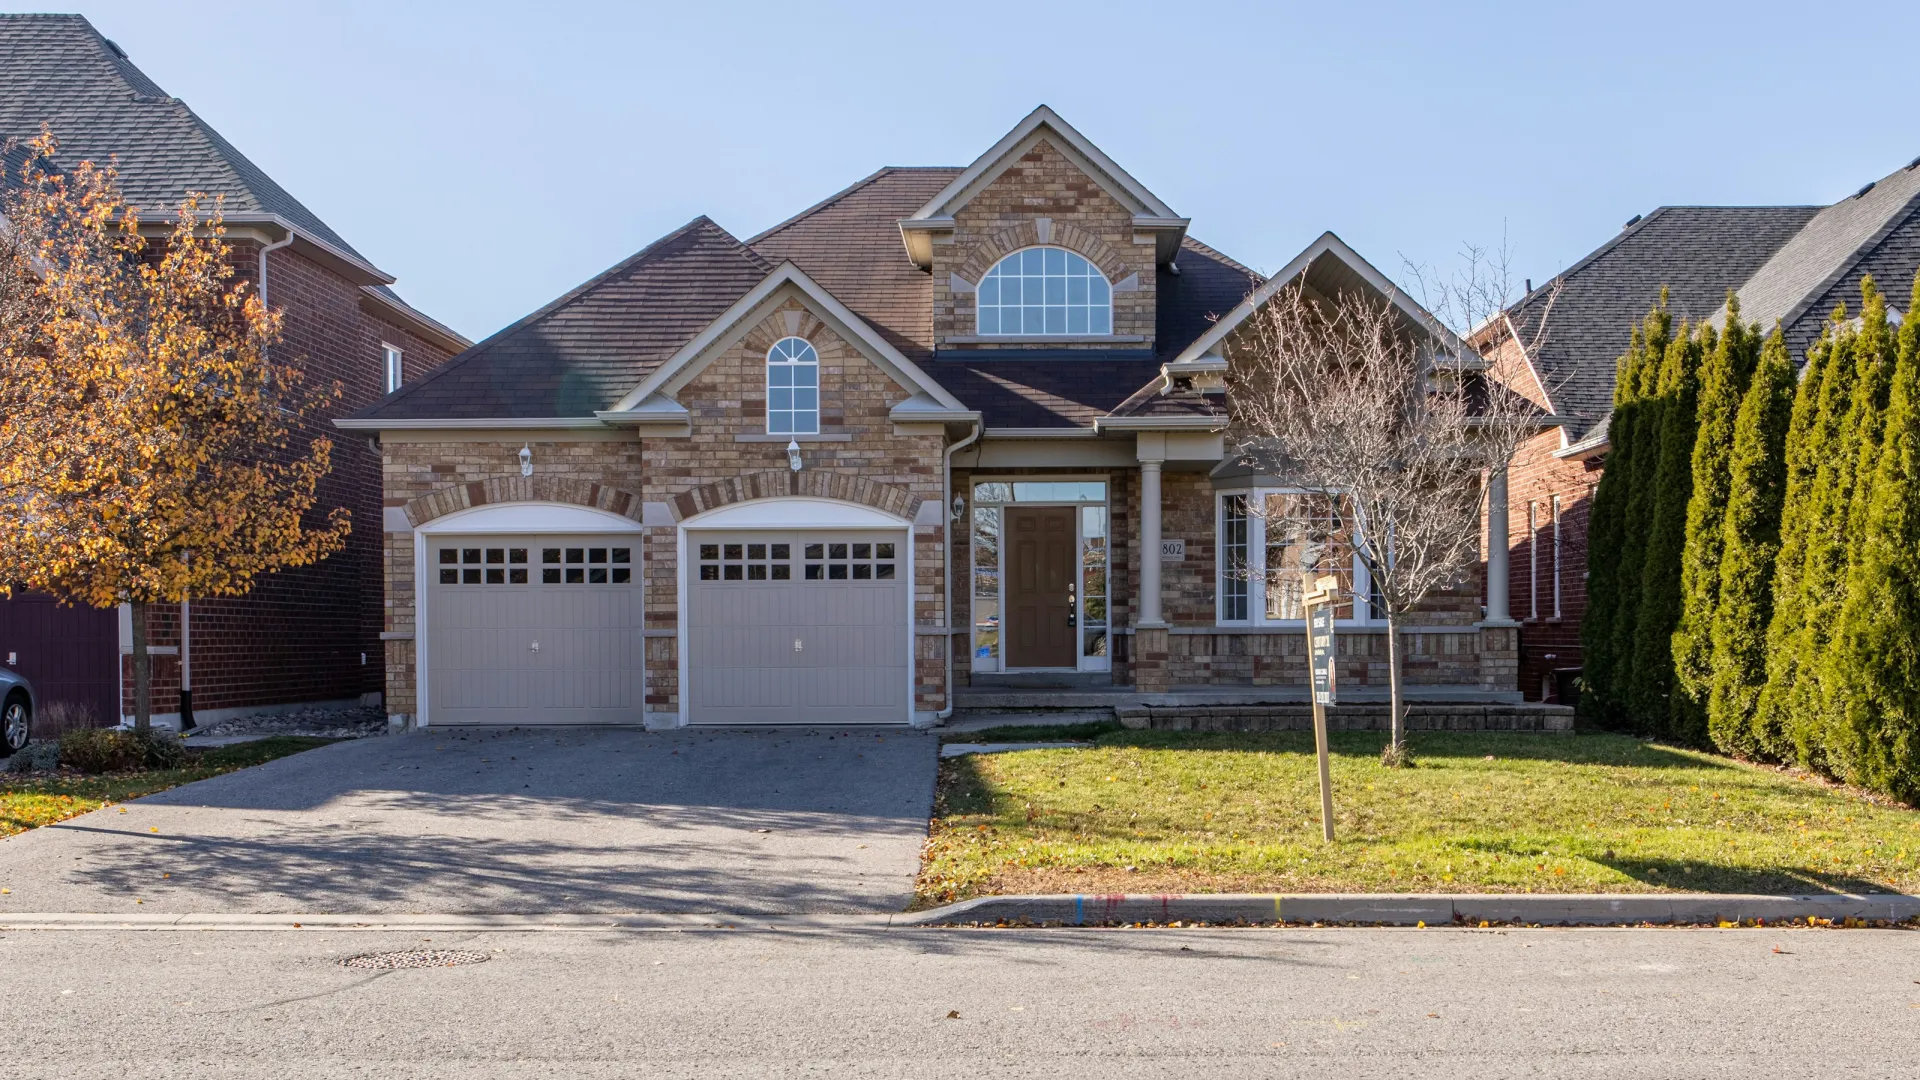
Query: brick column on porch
[[1150, 667]]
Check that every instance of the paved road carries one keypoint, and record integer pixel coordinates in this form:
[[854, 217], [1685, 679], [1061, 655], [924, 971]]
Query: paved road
[[497, 821], [1082, 1004]]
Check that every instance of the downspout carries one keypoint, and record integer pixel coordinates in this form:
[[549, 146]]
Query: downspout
[[261, 285], [946, 556]]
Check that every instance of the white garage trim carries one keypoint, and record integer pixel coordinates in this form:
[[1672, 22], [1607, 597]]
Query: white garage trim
[[518, 517], [788, 514]]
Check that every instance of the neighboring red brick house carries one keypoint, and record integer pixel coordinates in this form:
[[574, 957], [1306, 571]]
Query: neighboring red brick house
[[1790, 266], [304, 636], [949, 425]]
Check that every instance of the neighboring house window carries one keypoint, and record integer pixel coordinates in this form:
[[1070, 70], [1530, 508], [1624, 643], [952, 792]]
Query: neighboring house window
[[1533, 560], [1044, 290], [1554, 509], [793, 388], [395, 372], [1270, 541]]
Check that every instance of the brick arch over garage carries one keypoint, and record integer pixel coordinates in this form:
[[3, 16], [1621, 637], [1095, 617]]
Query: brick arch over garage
[[571, 491], [785, 483]]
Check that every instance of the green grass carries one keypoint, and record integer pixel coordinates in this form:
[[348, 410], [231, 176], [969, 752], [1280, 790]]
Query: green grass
[[28, 802], [1145, 811]]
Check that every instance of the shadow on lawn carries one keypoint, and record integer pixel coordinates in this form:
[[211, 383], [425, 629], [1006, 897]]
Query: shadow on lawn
[[1435, 747], [1698, 875]]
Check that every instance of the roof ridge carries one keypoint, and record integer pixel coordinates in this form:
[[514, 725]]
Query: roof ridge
[[1800, 307], [841, 194], [474, 351]]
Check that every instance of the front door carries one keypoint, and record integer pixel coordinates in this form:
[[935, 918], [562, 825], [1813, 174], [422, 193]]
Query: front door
[[1040, 586]]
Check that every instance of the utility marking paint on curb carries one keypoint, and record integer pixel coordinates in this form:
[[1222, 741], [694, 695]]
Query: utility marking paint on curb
[[1079, 910]]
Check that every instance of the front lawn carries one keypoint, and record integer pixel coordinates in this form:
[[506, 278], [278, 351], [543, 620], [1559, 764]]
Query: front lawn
[[1170, 812], [28, 802]]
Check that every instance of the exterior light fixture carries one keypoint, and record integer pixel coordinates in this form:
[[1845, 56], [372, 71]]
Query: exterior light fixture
[[793, 454], [959, 507], [526, 460]]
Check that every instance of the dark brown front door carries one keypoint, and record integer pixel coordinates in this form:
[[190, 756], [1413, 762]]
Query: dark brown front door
[[1040, 592]]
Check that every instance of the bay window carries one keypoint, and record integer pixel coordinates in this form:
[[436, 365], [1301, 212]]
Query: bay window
[[1270, 541]]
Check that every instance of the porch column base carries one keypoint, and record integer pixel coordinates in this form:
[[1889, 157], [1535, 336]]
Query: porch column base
[[1500, 657], [1151, 671]]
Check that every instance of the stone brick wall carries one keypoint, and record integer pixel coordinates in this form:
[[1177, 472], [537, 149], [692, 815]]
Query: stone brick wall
[[301, 635], [1549, 640], [1004, 217]]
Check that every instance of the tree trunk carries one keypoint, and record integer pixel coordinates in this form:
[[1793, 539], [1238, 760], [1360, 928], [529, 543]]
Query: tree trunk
[[142, 670], [1396, 708]]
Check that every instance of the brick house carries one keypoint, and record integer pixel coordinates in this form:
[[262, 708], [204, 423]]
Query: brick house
[[1789, 265], [946, 427], [302, 636]]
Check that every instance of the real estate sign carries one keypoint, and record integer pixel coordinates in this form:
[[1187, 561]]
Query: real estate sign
[[1320, 651], [1319, 598]]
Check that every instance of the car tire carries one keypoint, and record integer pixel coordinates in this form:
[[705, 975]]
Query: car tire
[[16, 724]]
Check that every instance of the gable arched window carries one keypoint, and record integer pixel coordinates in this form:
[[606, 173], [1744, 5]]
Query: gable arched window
[[1045, 290], [793, 388]]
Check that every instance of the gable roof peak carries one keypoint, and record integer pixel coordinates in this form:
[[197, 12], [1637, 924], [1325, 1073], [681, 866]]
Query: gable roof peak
[[1040, 124]]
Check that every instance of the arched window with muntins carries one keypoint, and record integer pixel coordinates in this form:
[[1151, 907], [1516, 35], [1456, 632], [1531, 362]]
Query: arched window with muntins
[[1044, 290], [793, 388]]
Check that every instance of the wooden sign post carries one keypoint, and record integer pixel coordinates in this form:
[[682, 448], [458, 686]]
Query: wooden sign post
[[1319, 604]]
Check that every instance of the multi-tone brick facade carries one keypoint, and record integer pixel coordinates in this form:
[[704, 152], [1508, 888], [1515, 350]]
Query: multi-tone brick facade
[[1548, 500]]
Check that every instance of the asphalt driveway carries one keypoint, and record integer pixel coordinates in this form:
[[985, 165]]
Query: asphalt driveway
[[750, 822]]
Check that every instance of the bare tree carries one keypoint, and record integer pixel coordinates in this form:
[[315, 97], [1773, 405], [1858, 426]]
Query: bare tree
[[1391, 427]]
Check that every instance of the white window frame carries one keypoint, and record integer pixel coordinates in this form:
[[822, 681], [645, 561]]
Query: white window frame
[[1067, 307], [997, 662], [393, 370], [1554, 508], [793, 365], [1533, 559], [1257, 565]]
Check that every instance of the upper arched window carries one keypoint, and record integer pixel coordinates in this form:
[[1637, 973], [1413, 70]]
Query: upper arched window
[[793, 388], [1045, 290]]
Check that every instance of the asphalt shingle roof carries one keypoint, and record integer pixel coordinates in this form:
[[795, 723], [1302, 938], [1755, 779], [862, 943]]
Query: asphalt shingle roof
[[1825, 252], [582, 352], [59, 71], [1697, 253], [585, 350]]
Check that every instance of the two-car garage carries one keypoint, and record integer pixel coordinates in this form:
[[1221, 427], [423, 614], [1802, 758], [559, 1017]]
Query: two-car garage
[[546, 625]]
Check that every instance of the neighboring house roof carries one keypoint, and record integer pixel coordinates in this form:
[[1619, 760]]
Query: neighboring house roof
[[581, 353], [58, 71], [1697, 253], [1797, 287]]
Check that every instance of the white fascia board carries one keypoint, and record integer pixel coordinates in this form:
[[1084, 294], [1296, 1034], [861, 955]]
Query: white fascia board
[[419, 321], [1112, 176], [849, 325], [1327, 244], [441, 423], [1207, 424], [1039, 433], [922, 409], [656, 409]]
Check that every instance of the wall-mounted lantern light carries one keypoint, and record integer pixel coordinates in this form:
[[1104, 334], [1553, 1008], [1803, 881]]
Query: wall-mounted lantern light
[[526, 461], [959, 507], [793, 454]]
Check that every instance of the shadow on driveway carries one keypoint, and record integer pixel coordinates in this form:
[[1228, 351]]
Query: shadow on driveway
[[821, 820]]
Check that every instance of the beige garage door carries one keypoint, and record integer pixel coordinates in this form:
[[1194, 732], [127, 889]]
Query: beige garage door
[[798, 628], [534, 630]]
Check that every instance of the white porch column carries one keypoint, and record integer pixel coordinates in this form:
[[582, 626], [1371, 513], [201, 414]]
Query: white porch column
[[1150, 543], [1497, 547]]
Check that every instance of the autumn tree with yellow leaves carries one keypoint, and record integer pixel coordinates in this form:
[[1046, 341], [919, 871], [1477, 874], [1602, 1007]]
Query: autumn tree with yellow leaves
[[152, 447]]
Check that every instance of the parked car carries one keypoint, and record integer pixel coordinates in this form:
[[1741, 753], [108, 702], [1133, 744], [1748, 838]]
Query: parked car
[[16, 711]]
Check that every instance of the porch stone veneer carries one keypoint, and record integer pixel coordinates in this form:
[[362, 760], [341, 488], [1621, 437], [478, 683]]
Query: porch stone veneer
[[571, 490]]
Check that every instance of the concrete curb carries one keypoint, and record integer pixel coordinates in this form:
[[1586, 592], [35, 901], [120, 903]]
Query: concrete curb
[[1400, 909]]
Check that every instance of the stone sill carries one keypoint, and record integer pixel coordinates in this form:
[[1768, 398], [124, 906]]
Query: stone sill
[[801, 439]]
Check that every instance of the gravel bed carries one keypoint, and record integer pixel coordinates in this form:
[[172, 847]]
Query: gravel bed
[[354, 723]]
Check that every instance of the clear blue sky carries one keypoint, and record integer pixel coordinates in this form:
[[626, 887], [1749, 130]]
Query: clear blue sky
[[492, 155]]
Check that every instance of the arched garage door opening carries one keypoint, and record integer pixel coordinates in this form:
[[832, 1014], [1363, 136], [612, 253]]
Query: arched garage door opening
[[796, 611], [530, 613]]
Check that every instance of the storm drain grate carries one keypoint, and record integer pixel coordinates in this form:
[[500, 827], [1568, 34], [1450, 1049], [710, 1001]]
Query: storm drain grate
[[417, 958]]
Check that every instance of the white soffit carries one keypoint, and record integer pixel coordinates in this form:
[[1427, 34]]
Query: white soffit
[[530, 517]]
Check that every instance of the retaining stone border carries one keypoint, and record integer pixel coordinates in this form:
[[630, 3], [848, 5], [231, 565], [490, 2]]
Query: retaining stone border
[[1393, 909], [1298, 716]]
